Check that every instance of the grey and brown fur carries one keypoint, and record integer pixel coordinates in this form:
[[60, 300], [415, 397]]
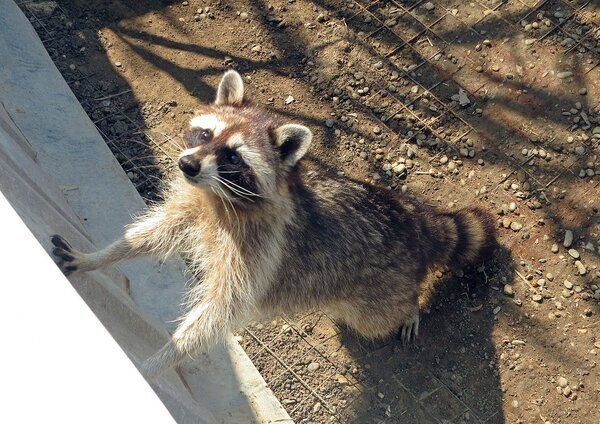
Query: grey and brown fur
[[273, 234]]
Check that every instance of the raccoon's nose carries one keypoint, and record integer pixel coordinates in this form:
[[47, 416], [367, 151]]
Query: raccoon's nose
[[189, 165]]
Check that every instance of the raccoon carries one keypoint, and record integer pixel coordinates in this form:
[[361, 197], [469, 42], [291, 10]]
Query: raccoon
[[271, 233]]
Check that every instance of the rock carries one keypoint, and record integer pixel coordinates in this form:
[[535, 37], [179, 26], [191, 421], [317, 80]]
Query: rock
[[463, 99], [329, 123], [554, 248], [495, 68], [563, 75], [400, 169], [580, 268], [574, 253], [537, 298], [562, 382], [377, 130], [317, 407], [512, 206], [313, 366], [118, 64], [342, 380], [516, 226], [256, 49], [289, 100], [244, 15], [506, 222], [568, 241], [580, 150], [582, 91], [464, 152], [429, 6], [508, 290]]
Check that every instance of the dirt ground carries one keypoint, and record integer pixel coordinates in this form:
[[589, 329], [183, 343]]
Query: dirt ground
[[492, 103]]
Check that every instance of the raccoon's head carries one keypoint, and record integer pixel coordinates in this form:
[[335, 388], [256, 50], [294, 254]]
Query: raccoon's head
[[238, 151]]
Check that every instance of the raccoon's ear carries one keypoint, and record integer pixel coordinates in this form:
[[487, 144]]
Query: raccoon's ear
[[231, 90], [293, 141]]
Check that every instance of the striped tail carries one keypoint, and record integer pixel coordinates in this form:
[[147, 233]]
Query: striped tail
[[463, 237]]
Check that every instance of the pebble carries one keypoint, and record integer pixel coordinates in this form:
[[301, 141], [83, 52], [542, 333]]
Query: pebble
[[317, 407], [400, 169], [342, 380], [574, 253], [508, 290], [429, 6], [512, 206], [563, 75], [377, 130], [582, 91], [313, 366], [244, 15], [568, 241], [118, 64], [554, 248], [537, 298], [580, 150], [329, 123], [495, 68], [289, 100], [562, 382], [580, 267], [516, 226]]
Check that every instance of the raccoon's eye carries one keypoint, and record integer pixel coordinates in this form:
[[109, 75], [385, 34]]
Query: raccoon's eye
[[205, 135], [233, 158]]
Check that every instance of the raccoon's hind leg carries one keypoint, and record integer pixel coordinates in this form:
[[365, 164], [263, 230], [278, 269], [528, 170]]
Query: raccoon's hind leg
[[380, 319]]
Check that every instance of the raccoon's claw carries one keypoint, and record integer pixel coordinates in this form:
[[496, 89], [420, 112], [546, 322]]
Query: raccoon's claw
[[64, 252], [410, 330], [58, 241]]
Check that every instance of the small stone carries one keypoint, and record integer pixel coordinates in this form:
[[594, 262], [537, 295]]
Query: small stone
[[244, 15], [512, 206], [537, 298], [574, 253], [506, 222], [118, 64], [400, 169], [464, 152], [317, 407], [580, 150], [516, 226], [256, 49], [554, 248], [342, 380], [580, 268], [313, 366], [495, 68], [568, 241], [380, 395], [463, 99], [185, 3], [377, 130], [508, 290], [582, 91], [562, 382], [567, 391], [429, 6], [289, 100], [329, 123], [563, 75], [515, 403]]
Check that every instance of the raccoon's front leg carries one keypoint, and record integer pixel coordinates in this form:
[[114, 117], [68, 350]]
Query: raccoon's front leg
[[149, 234], [71, 260], [202, 327]]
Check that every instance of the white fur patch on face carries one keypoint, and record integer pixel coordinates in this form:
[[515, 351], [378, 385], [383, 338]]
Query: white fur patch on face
[[209, 166], [261, 169], [235, 141], [189, 151], [209, 122]]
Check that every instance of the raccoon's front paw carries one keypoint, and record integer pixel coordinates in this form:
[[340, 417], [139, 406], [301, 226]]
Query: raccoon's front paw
[[66, 255]]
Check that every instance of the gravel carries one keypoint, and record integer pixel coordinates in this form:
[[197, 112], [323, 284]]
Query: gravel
[[568, 241]]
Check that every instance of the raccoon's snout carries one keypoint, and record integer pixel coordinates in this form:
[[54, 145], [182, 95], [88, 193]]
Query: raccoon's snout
[[189, 165]]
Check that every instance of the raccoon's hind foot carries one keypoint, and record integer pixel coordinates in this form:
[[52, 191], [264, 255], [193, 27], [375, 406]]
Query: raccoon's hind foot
[[409, 330], [66, 255]]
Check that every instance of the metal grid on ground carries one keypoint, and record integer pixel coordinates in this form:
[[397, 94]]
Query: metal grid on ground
[[407, 41]]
